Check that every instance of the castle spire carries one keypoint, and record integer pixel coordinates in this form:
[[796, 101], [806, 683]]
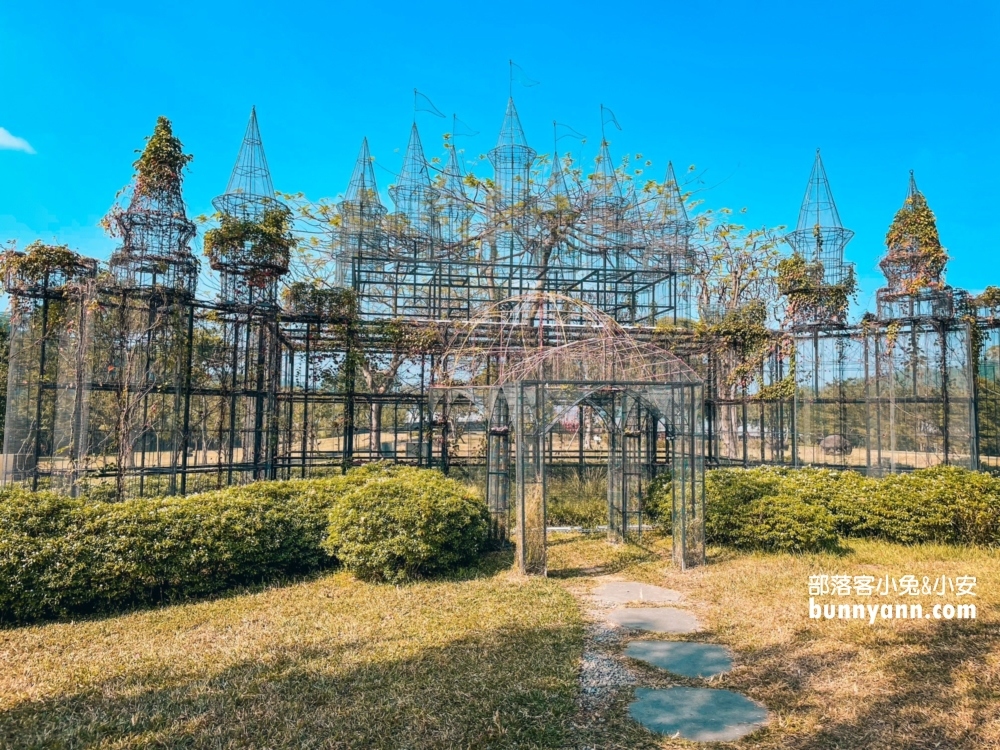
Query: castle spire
[[362, 188], [454, 177], [672, 202], [512, 159], [819, 234], [414, 172], [418, 230], [818, 207], [511, 132], [251, 175], [608, 175], [915, 259]]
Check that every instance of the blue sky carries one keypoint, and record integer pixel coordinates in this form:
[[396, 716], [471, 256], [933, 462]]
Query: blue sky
[[744, 91]]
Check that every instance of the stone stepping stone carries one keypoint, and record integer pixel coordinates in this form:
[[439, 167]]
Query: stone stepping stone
[[655, 619], [682, 657], [699, 714], [623, 592]]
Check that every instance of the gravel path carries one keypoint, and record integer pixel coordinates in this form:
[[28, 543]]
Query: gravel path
[[603, 672]]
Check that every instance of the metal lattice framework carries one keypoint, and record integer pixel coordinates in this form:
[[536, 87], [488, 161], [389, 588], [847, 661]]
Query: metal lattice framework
[[820, 238], [505, 327], [548, 358]]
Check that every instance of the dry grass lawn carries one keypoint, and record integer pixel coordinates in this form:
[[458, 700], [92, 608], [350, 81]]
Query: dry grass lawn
[[491, 660], [828, 684]]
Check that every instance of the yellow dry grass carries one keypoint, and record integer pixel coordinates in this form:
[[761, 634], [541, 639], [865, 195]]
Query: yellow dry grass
[[828, 683], [491, 659], [488, 661]]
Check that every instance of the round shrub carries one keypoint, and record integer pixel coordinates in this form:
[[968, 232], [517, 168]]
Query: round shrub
[[783, 523], [406, 523], [843, 493], [658, 500]]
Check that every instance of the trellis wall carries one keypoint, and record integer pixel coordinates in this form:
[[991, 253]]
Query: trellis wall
[[126, 375]]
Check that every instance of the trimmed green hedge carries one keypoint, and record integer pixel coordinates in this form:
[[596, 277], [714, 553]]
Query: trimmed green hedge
[[772, 508], [61, 556], [784, 523], [658, 501], [406, 523]]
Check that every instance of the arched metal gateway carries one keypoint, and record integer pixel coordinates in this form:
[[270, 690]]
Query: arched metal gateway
[[649, 400]]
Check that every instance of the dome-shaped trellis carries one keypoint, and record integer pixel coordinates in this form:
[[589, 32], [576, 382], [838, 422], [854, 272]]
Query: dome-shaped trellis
[[505, 333]]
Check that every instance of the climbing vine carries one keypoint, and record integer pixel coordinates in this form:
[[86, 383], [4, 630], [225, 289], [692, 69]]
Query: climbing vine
[[892, 334], [159, 168], [990, 297], [308, 299], [157, 179], [38, 261], [262, 244], [809, 297], [914, 247], [745, 334]]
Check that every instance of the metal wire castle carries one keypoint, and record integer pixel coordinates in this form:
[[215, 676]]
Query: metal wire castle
[[536, 321]]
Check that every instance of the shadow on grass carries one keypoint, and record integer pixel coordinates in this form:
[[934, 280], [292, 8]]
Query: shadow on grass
[[716, 553], [610, 558], [126, 608], [487, 566], [503, 688], [913, 706]]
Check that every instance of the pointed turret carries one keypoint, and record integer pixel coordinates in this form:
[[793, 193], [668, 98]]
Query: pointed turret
[[818, 207], [250, 187], [415, 227], [672, 210], [250, 262], [609, 223], [556, 190], [512, 159], [414, 172], [671, 226], [362, 189], [913, 191], [819, 292], [454, 175], [607, 175], [455, 211], [819, 235], [361, 230], [154, 227], [511, 132]]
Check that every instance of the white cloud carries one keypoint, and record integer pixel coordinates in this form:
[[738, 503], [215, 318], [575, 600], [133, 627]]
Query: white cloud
[[10, 141]]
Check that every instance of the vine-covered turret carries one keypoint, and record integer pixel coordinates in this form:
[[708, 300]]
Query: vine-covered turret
[[153, 226], [914, 263], [251, 246], [43, 271], [915, 259]]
